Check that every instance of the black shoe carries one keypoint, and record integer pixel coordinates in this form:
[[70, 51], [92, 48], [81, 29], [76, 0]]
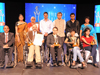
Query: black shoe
[[10, 64], [39, 65], [1, 64], [55, 64], [29, 64], [59, 63], [96, 65]]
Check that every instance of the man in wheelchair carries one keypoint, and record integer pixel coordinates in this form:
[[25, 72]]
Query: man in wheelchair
[[33, 49], [54, 43], [6, 43], [72, 41]]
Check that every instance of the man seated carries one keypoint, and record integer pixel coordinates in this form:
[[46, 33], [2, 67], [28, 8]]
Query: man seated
[[53, 47], [6, 42], [33, 49]]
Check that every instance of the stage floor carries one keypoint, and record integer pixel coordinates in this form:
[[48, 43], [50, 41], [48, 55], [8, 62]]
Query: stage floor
[[19, 70]]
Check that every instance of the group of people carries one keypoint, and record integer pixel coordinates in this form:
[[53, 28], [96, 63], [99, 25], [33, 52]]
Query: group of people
[[64, 31]]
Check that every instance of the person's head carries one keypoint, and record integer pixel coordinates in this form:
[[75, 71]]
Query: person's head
[[33, 19], [87, 19], [72, 32], [34, 27], [55, 30], [72, 16], [45, 15], [59, 15], [6, 29], [87, 32], [21, 17]]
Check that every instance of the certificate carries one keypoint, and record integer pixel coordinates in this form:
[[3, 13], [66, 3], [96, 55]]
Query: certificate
[[38, 39]]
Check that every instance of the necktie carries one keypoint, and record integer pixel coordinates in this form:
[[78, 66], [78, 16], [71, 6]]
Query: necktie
[[6, 39]]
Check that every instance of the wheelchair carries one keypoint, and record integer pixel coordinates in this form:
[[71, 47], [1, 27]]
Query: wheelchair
[[69, 56], [25, 55], [14, 59], [49, 58]]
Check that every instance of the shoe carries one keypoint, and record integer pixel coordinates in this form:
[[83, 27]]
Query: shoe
[[29, 63], [91, 58], [59, 64], [84, 65], [96, 65], [39, 65], [55, 64], [1, 64]]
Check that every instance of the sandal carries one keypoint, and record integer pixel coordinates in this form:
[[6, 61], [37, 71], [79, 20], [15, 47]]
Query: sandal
[[73, 64], [84, 65]]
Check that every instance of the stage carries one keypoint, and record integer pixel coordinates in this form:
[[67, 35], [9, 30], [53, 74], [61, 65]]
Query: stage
[[20, 70]]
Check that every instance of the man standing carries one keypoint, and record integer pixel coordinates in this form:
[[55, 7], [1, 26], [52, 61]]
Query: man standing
[[72, 24], [61, 25], [50, 43], [6, 42], [46, 27]]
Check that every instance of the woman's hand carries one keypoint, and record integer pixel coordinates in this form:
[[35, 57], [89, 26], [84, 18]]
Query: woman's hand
[[18, 39]]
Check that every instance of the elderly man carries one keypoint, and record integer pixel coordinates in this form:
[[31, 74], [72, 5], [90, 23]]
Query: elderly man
[[32, 23], [53, 47], [6, 42], [34, 48]]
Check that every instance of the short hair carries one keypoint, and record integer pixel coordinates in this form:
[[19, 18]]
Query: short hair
[[45, 13], [55, 28], [87, 17], [5, 25], [59, 13], [86, 29], [32, 17], [73, 30], [72, 14]]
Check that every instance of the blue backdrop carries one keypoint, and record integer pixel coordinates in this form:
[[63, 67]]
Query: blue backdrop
[[97, 18], [2, 16], [52, 10]]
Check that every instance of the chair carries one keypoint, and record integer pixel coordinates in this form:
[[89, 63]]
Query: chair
[[70, 57], [49, 59], [25, 55], [14, 58]]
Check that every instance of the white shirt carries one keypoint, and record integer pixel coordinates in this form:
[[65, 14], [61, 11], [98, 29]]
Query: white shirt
[[35, 34], [46, 26], [5, 36], [31, 27]]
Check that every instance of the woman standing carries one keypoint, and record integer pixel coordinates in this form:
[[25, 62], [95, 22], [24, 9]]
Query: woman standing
[[88, 25], [21, 28]]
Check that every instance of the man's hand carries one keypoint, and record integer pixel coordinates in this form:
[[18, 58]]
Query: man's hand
[[46, 34], [43, 41], [52, 46], [5, 46], [59, 46]]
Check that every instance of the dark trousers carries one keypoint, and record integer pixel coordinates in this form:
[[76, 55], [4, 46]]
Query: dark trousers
[[44, 44], [58, 50], [2, 54], [92, 49]]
